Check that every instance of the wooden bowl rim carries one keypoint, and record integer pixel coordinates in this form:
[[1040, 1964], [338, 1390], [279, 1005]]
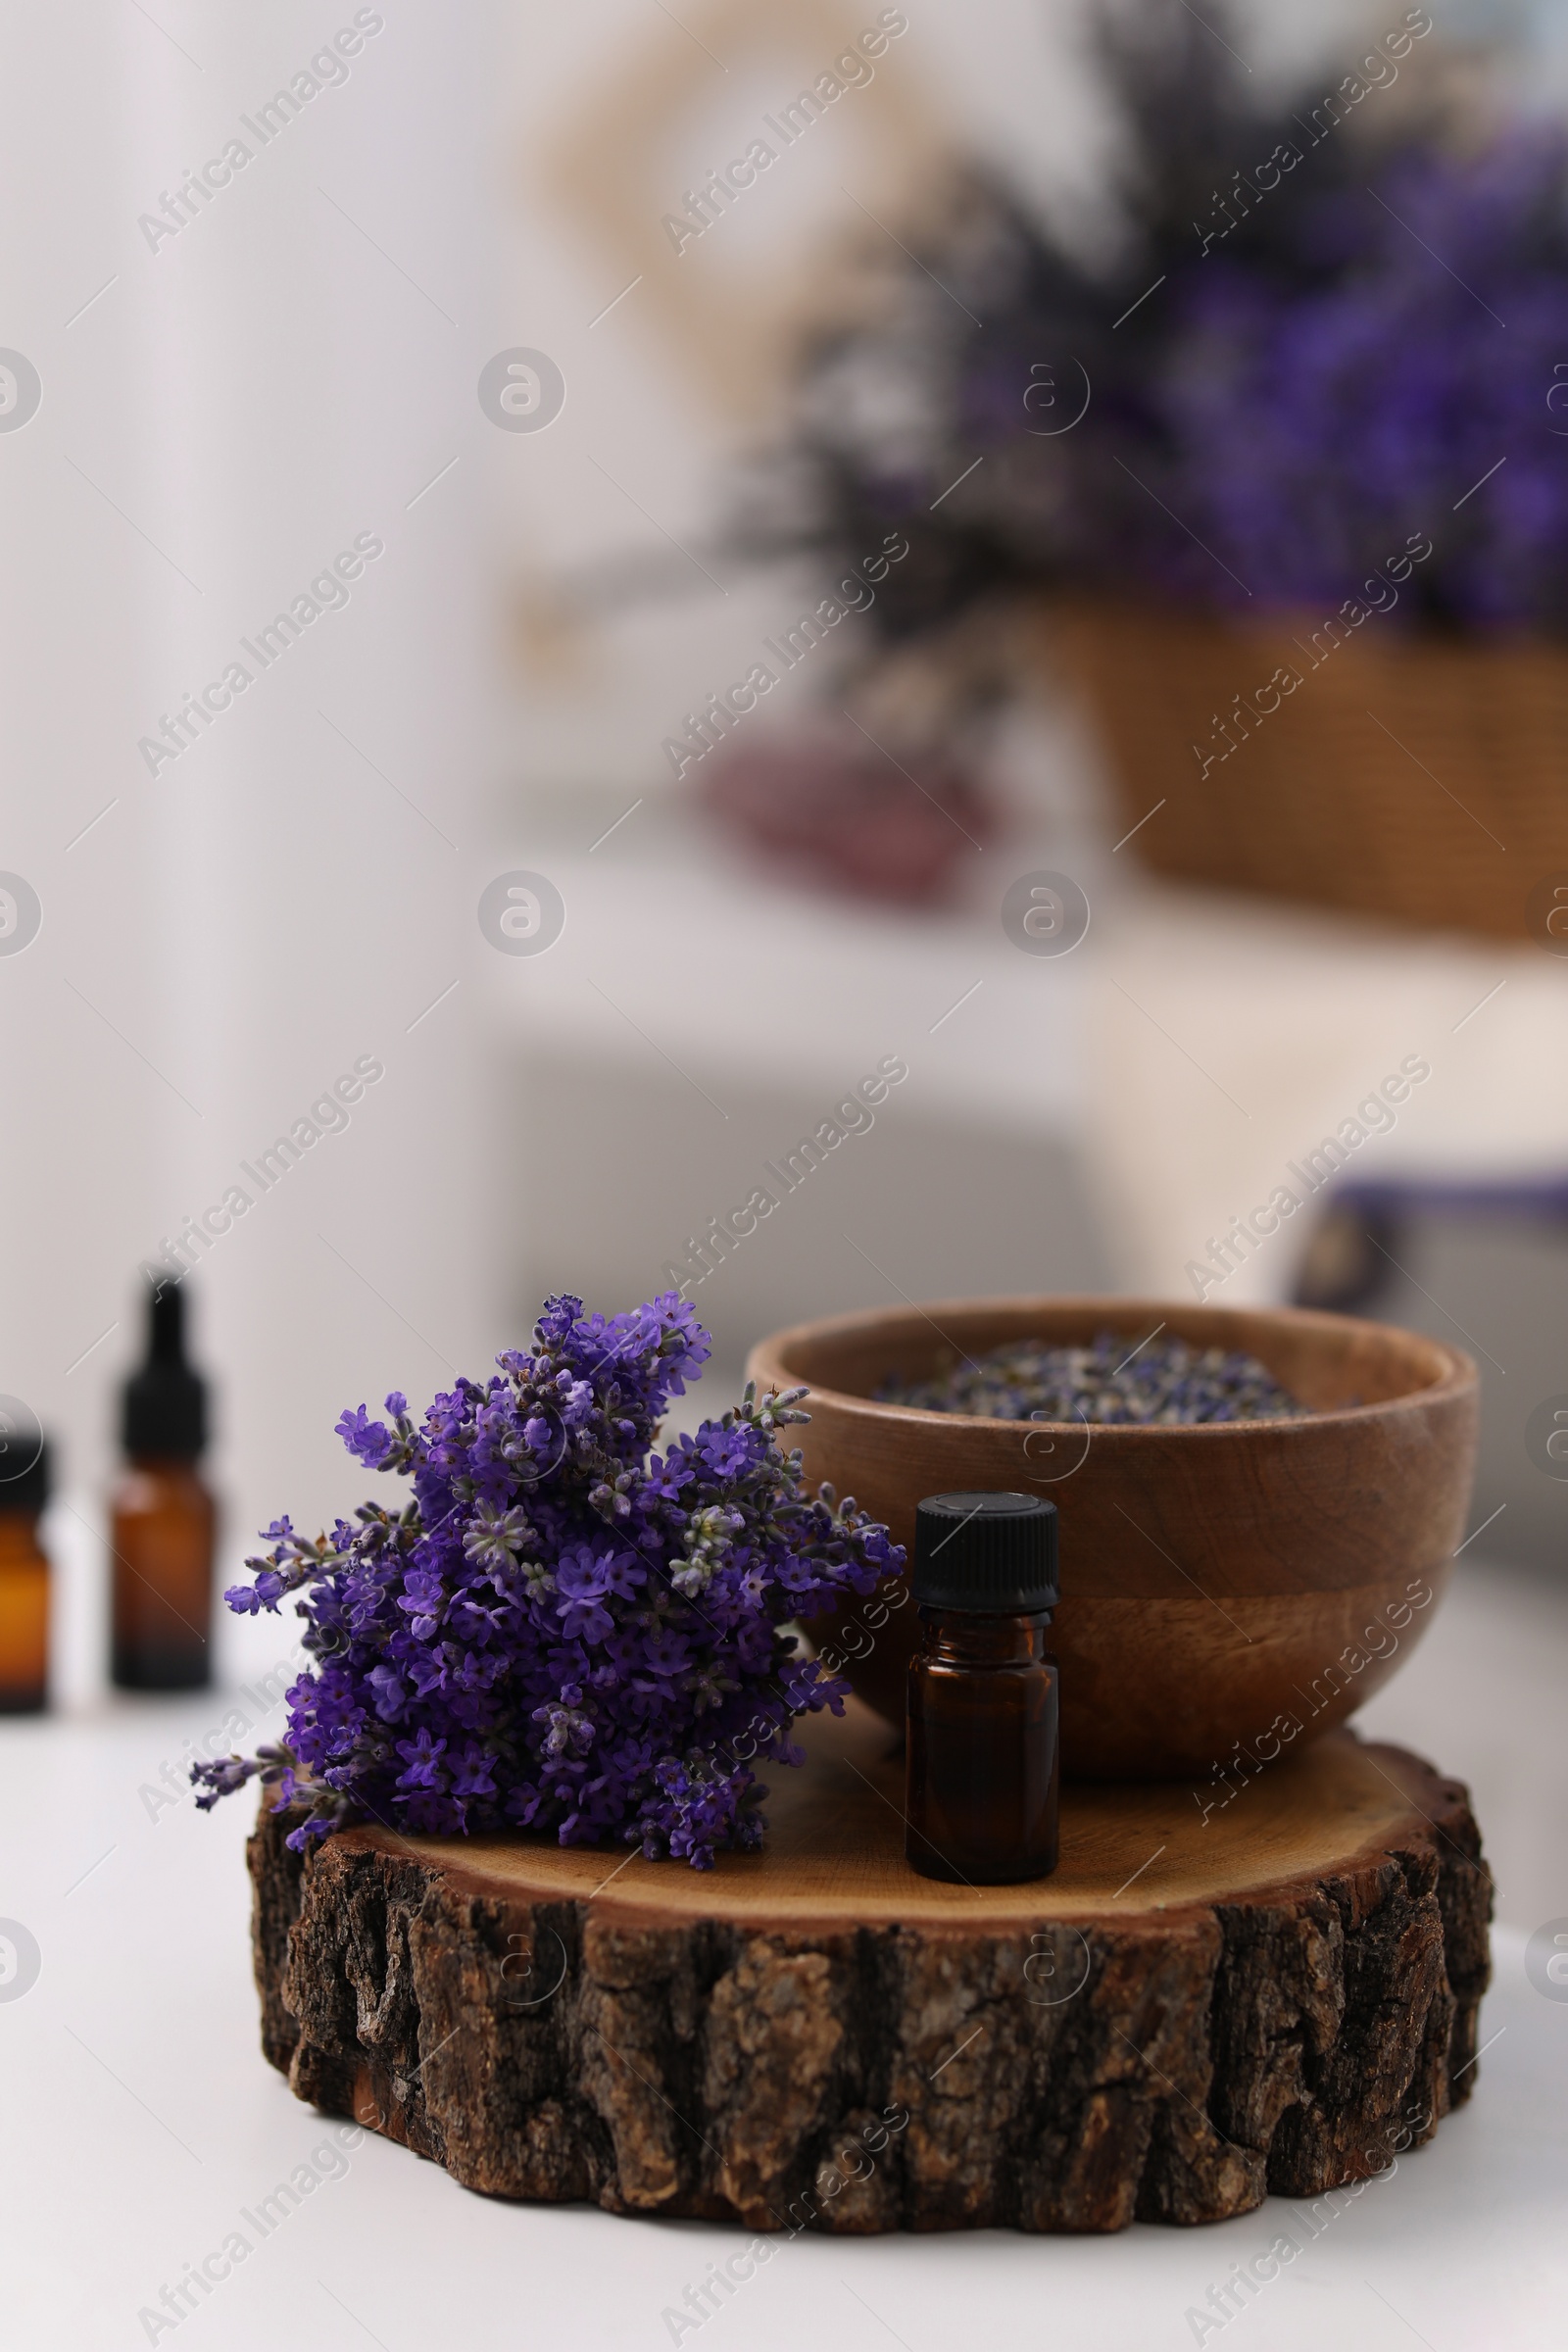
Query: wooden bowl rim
[[1457, 1375]]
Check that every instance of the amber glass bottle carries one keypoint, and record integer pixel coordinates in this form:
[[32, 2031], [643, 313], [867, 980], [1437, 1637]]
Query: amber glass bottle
[[982, 1767], [24, 1588], [163, 1522]]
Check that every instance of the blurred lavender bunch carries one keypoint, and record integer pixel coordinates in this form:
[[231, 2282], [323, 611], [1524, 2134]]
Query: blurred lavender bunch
[[1382, 320], [1306, 422], [561, 1629]]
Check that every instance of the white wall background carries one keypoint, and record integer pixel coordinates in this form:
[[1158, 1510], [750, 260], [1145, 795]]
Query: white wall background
[[226, 936]]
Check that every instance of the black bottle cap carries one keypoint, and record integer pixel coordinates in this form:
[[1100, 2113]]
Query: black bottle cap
[[165, 1416], [26, 1488], [992, 1555]]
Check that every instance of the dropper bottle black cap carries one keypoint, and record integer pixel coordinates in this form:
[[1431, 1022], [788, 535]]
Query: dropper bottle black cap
[[165, 1410], [986, 1553]]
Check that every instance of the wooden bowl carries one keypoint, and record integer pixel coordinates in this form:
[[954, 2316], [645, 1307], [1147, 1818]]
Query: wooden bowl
[[1228, 1588]]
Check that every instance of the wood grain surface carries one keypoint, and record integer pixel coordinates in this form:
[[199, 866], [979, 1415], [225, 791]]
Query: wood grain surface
[[1277, 1992], [1268, 1549]]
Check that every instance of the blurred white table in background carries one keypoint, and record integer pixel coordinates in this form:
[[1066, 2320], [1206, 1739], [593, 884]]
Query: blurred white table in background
[[732, 974], [1193, 1044]]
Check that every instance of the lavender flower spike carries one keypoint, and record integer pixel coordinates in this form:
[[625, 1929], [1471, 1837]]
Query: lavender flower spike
[[562, 1630]]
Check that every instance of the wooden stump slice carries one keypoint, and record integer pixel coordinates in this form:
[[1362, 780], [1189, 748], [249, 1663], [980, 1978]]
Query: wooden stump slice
[[1194, 2011]]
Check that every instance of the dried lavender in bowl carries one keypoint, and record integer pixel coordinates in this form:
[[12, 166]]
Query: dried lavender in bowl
[[1164, 1380]]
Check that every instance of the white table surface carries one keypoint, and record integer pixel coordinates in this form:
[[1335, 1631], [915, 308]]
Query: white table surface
[[140, 2118]]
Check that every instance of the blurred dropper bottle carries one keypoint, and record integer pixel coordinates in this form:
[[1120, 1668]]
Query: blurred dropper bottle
[[23, 1585], [163, 1521]]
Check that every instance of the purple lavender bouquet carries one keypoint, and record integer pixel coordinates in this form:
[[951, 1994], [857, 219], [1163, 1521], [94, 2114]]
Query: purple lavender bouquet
[[562, 1630]]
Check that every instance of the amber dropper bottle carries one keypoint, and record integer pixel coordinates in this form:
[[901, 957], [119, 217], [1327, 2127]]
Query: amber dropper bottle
[[23, 1585], [982, 1765], [163, 1521]]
